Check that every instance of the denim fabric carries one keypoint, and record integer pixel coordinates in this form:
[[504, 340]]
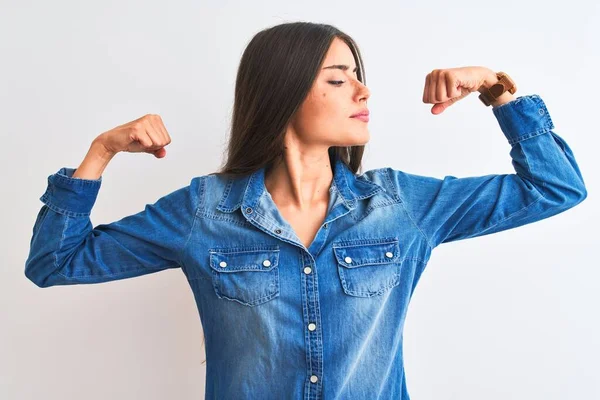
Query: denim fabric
[[283, 321]]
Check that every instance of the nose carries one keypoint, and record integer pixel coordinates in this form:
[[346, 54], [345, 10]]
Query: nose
[[362, 91]]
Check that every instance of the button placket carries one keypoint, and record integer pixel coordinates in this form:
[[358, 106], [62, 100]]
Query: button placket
[[312, 334]]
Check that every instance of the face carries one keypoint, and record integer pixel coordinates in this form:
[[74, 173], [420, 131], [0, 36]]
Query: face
[[324, 117]]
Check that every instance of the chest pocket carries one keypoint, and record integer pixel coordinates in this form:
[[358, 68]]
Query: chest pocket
[[368, 267], [249, 275]]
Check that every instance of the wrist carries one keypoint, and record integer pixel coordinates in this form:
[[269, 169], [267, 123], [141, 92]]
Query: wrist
[[489, 79], [100, 151], [95, 162]]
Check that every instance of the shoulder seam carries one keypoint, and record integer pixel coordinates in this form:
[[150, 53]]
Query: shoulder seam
[[402, 201], [200, 197]]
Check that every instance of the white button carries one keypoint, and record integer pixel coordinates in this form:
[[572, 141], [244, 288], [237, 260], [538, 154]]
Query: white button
[[312, 327], [389, 254], [314, 379], [348, 260], [307, 270], [223, 264], [267, 263]]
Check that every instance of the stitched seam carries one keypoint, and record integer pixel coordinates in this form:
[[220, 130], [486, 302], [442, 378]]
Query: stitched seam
[[541, 131], [397, 191], [373, 293], [401, 260], [505, 219], [127, 271], [271, 221], [511, 215], [46, 199], [199, 194], [417, 226], [60, 244], [529, 171]]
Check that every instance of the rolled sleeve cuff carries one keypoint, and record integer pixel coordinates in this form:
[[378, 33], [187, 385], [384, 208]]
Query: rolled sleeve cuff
[[523, 118], [74, 197]]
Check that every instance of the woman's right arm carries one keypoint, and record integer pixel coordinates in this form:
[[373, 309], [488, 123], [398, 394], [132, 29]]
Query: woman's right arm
[[66, 249]]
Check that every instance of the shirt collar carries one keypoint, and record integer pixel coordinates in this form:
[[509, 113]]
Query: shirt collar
[[247, 190]]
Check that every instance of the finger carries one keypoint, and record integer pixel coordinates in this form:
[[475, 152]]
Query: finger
[[432, 87], [454, 87], [163, 130], [450, 87], [156, 126], [441, 87], [142, 137], [153, 134]]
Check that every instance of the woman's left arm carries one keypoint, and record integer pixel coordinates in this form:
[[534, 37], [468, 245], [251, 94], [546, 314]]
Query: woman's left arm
[[546, 182]]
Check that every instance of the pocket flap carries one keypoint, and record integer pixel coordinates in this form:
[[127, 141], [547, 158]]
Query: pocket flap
[[369, 252], [235, 260]]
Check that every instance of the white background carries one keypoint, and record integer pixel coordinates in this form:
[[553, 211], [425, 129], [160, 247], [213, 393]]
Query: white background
[[513, 315]]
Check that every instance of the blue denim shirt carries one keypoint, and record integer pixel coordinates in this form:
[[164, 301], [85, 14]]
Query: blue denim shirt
[[283, 321]]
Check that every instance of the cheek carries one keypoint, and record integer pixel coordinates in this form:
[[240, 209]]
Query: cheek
[[322, 114], [330, 108]]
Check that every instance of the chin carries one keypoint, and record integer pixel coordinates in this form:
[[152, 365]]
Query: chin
[[353, 139], [360, 140]]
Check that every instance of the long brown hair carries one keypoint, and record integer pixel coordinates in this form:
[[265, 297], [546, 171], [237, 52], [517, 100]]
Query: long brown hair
[[276, 73]]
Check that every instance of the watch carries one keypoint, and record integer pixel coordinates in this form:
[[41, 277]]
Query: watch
[[491, 94]]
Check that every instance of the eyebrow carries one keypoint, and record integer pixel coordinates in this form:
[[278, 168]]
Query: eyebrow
[[341, 66]]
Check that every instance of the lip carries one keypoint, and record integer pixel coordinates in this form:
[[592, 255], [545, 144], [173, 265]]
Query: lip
[[363, 117], [360, 114]]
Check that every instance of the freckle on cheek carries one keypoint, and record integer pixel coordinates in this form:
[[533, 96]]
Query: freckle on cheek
[[324, 94]]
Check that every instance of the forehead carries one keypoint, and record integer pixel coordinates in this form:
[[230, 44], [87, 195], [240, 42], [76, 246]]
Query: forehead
[[339, 53]]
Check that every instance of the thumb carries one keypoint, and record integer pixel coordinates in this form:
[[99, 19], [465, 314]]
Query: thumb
[[440, 107], [160, 153]]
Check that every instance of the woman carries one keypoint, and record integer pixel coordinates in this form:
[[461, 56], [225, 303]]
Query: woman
[[302, 268]]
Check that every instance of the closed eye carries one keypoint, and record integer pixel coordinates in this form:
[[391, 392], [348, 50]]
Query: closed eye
[[336, 83]]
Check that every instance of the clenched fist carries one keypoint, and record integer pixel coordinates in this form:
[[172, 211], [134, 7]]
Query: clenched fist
[[143, 135], [444, 87]]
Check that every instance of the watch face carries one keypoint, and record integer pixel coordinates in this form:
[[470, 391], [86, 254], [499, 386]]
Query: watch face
[[497, 89]]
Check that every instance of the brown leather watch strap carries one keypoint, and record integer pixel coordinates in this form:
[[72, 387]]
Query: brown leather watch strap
[[490, 94]]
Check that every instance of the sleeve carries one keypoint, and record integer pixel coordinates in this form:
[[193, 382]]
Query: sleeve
[[66, 249], [547, 182]]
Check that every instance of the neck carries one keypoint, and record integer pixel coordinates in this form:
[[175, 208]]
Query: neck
[[300, 183]]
